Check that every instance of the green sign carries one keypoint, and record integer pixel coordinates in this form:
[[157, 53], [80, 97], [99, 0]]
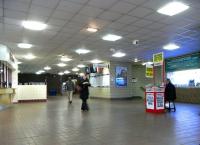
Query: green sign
[[183, 63]]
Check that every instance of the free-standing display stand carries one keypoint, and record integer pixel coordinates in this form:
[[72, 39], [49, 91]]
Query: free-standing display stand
[[154, 95]]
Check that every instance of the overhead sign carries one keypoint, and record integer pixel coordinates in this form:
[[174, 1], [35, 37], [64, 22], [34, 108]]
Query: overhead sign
[[158, 59], [149, 71]]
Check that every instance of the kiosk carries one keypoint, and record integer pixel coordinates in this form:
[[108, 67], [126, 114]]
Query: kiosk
[[154, 95]]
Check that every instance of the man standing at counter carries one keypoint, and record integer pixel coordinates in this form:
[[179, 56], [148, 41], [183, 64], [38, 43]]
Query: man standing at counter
[[170, 94]]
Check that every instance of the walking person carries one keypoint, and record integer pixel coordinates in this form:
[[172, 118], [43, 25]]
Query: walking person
[[84, 92], [170, 94], [70, 89]]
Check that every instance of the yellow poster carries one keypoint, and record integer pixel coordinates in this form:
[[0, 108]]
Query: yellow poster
[[158, 59], [149, 71]]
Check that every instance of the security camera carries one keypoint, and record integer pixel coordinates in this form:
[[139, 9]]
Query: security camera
[[135, 42]]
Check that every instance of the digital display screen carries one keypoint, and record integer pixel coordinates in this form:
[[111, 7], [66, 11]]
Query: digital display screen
[[121, 76]]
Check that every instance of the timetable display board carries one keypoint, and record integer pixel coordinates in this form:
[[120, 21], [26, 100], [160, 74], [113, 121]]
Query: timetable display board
[[183, 63]]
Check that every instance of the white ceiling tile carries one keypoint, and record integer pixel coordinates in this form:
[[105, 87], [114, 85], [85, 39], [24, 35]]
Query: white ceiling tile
[[122, 7], [38, 10], [82, 19], [131, 28], [116, 25], [69, 6], [105, 4], [140, 12], [108, 15], [56, 22], [155, 17], [90, 11], [127, 19], [15, 14], [59, 14], [16, 5], [1, 12], [142, 23], [36, 17], [99, 23], [46, 3], [12, 21], [136, 2], [155, 4], [156, 26]]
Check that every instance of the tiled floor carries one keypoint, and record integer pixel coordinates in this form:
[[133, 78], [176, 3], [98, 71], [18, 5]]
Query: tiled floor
[[107, 123]]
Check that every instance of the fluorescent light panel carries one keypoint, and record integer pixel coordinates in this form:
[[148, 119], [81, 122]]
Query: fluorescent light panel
[[60, 73], [34, 25], [111, 37], [81, 65], [171, 46], [93, 30], [65, 59], [47, 68], [173, 8], [96, 61], [75, 69], [29, 56], [66, 72], [61, 64], [118, 54], [82, 51], [24, 45]]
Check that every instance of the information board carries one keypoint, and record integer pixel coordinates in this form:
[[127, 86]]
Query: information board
[[183, 63], [160, 101], [158, 59], [150, 100]]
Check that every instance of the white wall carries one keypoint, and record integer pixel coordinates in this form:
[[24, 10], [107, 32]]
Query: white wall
[[120, 92]]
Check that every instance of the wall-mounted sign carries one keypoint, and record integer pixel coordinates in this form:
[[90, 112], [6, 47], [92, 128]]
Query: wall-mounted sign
[[149, 71], [121, 76], [158, 59]]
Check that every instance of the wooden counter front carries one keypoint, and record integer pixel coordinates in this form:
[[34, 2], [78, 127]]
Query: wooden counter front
[[188, 95], [6, 95]]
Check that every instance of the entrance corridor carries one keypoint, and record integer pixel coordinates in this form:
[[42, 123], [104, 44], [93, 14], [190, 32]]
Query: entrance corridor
[[108, 122]]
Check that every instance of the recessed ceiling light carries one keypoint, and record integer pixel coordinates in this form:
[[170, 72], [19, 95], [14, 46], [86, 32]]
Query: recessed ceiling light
[[111, 37], [34, 25], [82, 51], [1, 70], [66, 72], [41, 71], [173, 8], [24, 45], [29, 56], [60, 73], [136, 60], [171, 46], [81, 65], [75, 69], [118, 54], [61, 64], [38, 73], [93, 30], [47, 68], [65, 59], [96, 61]]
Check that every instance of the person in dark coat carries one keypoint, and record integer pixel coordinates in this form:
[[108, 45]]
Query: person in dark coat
[[170, 93], [84, 92]]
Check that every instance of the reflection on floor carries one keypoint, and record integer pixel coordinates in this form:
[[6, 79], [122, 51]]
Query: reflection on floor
[[107, 123]]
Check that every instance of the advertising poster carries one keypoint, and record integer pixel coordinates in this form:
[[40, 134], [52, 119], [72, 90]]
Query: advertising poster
[[158, 59], [121, 76], [150, 101], [159, 101], [149, 71]]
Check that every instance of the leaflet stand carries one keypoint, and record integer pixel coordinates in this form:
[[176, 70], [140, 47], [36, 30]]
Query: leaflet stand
[[154, 95]]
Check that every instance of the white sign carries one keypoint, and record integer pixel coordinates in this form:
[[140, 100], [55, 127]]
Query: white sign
[[159, 101], [150, 100]]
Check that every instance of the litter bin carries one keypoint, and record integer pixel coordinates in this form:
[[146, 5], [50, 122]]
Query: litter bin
[[52, 92]]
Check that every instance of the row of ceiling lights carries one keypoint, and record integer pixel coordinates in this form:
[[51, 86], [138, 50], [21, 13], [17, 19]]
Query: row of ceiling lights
[[169, 9]]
